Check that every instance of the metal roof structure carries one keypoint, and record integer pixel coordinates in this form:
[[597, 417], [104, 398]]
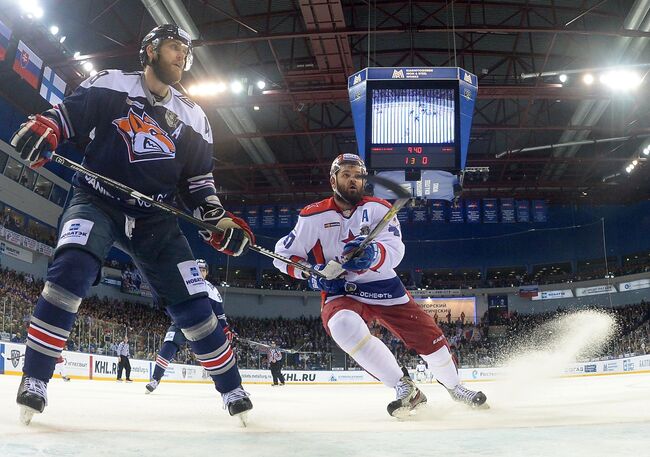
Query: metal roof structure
[[305, 49]]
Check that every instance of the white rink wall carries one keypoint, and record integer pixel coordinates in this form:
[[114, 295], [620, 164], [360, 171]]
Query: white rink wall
[[104, 368]]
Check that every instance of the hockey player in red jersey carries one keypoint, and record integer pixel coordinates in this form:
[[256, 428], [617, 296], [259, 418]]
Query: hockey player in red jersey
[[369, 288]]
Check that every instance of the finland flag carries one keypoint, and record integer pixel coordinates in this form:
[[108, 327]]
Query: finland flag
[[52, 87]]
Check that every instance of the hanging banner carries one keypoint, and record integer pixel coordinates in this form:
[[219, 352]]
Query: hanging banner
[[285, 216], [5, 37], [419, 215], [52, 87], [13, 237], [30, 244], [523, 210], [540, 211], [268, 217], [438, 211], [252, 216], [490, 215], [473, 211], [595, 290], [28, 65], [457, 212], [508, 210], [45, 249]]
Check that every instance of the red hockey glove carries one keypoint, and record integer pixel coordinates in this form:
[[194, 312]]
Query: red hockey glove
[[35, 139], [235, 235]]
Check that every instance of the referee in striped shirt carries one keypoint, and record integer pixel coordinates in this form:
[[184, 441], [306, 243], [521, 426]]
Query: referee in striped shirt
[[275, 364], [123, 363]]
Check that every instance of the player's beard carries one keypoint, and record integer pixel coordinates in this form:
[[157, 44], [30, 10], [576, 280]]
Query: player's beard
[[165, 72], [350, 197]]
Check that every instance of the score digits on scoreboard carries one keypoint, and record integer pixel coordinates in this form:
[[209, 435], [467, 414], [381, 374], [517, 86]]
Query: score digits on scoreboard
[[412, 156]]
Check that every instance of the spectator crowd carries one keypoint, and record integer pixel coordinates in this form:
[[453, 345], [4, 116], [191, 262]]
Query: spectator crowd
[[103, 322]]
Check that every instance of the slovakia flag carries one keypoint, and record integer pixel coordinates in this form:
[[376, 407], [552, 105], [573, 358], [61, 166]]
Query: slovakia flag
[[5, 36], [28, 65]]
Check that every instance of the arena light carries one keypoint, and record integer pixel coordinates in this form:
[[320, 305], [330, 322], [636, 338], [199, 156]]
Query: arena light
[[31, 8], [76, 55], [261, 85], [88, 66], [646, 151], [588, 79], [563, 78], [93, 73], [206, 89], [54, 30], [635, 162], [236, 87], [621, 79], [256, 108], [62, 39]]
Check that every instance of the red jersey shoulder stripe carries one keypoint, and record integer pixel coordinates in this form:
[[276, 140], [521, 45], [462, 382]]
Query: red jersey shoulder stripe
[[375, 200], [319, 207]]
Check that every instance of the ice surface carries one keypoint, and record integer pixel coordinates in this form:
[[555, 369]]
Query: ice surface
[[595, 416]]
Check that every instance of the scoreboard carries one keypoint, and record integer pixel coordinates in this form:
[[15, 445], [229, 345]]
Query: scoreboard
[[413, 118]]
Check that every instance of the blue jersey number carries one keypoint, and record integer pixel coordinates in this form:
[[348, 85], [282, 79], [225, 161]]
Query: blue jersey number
[[288, 240]]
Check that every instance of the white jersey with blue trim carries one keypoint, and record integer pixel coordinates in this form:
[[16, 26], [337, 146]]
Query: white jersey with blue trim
[[213, 293], [323, 229], [159, 147]]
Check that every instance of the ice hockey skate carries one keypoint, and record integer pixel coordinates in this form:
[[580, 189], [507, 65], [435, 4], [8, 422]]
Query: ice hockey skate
[[472, 398], [151, 386], [31, 397], [238, 404], [409, 398]]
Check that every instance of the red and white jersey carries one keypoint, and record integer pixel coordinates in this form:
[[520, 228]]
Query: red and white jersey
[[323, 229]]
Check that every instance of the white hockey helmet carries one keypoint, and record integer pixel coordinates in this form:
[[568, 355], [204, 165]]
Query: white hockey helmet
[[347, 159]]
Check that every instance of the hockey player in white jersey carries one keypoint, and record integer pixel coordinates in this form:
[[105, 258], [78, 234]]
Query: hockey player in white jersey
[[420, 371], [369, 289], [174, 337]]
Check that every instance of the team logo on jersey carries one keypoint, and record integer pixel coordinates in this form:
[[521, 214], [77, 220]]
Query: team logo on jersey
[[349, 238], [171, 118], [144, 138], [365, 230]]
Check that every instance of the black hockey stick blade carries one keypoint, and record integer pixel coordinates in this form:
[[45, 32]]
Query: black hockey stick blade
[[403, 197], [396, 188]]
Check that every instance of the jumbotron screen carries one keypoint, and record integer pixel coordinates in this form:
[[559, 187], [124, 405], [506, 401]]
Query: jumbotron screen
[[413, 127]]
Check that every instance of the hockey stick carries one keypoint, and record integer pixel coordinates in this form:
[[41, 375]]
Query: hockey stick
[[288, 351], [175, 211], [333, 268]]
